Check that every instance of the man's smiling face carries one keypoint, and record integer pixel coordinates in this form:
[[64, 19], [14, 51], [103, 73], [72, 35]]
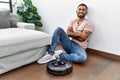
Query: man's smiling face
[[81, 11]]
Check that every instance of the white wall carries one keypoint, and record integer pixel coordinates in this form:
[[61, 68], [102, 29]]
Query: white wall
[[104, 14]]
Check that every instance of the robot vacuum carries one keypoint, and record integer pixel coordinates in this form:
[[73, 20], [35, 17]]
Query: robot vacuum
[[59, 67]]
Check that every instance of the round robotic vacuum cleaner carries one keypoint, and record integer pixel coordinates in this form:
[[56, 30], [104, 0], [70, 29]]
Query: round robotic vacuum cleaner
[[59, 67]]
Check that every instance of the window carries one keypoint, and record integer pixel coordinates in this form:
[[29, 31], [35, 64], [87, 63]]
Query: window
[[6, 4]]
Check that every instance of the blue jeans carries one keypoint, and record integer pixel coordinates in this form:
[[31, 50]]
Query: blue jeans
[[74, 52]]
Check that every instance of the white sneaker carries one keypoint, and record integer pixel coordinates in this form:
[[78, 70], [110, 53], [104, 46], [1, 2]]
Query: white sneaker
[[57, 53], [46, 59]]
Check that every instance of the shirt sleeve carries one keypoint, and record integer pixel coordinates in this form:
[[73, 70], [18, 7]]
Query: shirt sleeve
[[89, 27], [71, 23]]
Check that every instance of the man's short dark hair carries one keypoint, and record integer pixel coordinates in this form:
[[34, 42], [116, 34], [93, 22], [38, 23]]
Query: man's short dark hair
[[83, 5]]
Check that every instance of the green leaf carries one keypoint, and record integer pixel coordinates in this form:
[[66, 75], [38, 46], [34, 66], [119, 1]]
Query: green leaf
[[29, 13]]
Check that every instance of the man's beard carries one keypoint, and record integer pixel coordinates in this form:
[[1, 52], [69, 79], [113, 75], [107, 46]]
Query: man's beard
[[81, 16]]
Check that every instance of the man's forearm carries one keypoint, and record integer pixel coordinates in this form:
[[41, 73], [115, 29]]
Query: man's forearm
[[72, 34]]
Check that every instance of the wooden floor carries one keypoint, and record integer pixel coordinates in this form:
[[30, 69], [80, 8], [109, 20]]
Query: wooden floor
[[95, 68]]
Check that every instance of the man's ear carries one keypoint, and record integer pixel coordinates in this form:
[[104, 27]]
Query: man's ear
[[76, 11], [87, 12]]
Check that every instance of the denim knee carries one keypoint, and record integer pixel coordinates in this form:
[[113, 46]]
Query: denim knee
[[82, 59], [59, 29], [79, 58]]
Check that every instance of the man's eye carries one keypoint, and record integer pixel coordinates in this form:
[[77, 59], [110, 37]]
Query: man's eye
[[81, 9]]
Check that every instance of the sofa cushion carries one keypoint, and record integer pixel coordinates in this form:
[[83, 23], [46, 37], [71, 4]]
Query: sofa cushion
[[13, 20], [17, 40], [4, 18]]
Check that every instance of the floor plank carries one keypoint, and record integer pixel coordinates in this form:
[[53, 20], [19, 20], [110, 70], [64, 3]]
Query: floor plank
[[112, 72]]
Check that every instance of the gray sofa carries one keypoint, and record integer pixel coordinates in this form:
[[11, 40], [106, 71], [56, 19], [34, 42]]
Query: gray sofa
[[19, 46]]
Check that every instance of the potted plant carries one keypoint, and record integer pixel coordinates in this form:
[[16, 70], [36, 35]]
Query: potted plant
[[29, 13]]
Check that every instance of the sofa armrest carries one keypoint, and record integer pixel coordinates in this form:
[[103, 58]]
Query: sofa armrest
[[26, 25]]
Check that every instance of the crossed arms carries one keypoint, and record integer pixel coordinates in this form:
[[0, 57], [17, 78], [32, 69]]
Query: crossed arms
[[78, 36]]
